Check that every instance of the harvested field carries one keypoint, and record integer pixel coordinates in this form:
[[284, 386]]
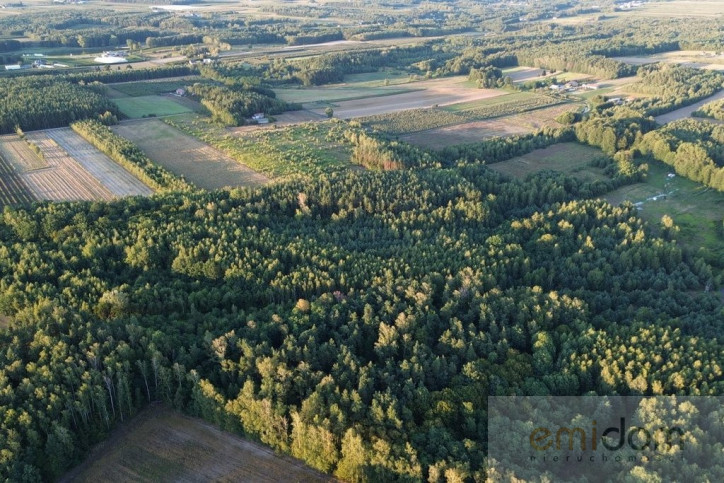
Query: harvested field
[[162, 445], [64, 179], [18, 153], [203, 165], [569, 158], [113, 176], [472, 132], [13, 190], [440, 92], [522, 74]]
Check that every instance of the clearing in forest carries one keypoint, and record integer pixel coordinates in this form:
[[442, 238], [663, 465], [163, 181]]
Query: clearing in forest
[[697, 210], [568, 158], [203, 165], [162, 445]]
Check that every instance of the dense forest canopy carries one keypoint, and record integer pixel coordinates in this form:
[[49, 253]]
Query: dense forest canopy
[[358, 322], [356, 318]]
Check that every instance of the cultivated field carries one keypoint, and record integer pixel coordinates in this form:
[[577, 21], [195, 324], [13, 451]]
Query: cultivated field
[[151, 106], [472, 132], [315, 96], [113, 176], [71, 170], [522, 74], [13, 190], [186, 156], [416, 120], [64, 179], [18, 152], [440, 92], [686, 111], [569, 158], [162, 445]]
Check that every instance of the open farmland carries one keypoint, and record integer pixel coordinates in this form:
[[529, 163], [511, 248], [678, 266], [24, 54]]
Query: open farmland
[[438, 92], [70, 169], [309, 149], [64, 179], [689, 58], [113, 176], [522, 73], [186, 156], [471, 132], [151, 106], [316, 96], [18, 152], [678, 8], [569, 158], [162, 445], [13, 190], [153, 87], [416, 120]]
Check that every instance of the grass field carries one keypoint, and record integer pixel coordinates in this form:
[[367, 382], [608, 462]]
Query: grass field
[[162, 445], [308, 149], [150, 88], [569, 158], [320, 96], [150, 106], [697, 210], [471, 132], [186, 156]]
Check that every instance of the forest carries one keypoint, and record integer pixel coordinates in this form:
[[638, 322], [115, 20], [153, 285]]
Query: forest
[[357, 322], [354, 313]]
